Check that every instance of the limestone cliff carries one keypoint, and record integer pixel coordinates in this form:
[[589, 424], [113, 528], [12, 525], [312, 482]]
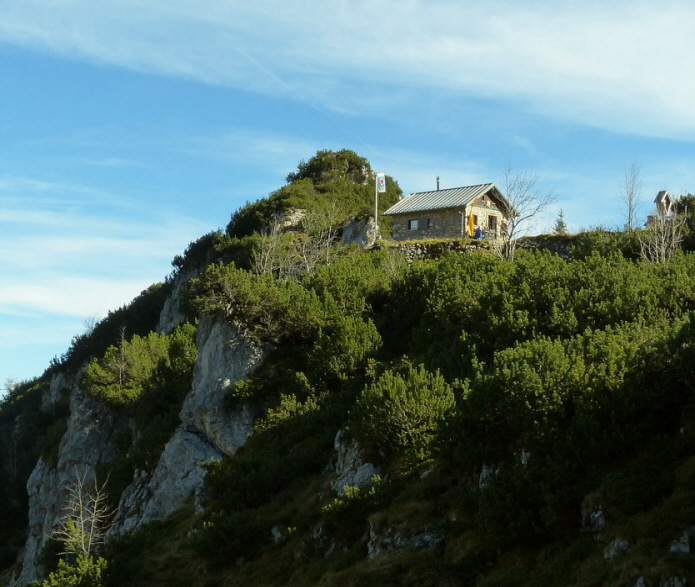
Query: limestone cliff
[[207, 431], [88, 442]]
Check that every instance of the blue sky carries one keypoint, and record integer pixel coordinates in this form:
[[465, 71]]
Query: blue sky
[[129, 129]]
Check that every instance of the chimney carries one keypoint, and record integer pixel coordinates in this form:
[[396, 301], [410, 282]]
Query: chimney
[[437, 183]]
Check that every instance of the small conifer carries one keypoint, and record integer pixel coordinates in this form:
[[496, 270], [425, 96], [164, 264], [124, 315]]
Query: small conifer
[[560, 226]]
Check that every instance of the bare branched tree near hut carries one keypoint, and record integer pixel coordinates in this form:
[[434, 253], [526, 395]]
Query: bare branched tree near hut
[[526, 201], [631, 194], [662, 237]]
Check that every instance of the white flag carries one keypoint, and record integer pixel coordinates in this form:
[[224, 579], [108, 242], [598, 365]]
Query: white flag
[[381, 182]]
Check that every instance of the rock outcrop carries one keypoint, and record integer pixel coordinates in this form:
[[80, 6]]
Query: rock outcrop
[[359, 231], [172, 314], [87, 443], [225, 356], [394, 539], [178, 476], [208, 430], [615, 548], [59, 387], [350, 466]]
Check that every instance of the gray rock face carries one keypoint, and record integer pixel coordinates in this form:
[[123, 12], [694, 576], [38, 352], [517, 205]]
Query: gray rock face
[[88, 442], [393, 539], [172, 315], [682, 546], [351, 469], [595, 520], [614, 549], [361, 232], [225, 356], [292, 218], [60, 384], [486, 474], [207, 431], [177, 478], [674, 582]]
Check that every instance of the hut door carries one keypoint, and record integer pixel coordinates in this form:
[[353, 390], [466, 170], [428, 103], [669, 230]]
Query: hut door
[[492, 224]]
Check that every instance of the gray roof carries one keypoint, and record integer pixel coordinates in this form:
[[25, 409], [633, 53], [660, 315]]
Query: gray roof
[[439, 199]]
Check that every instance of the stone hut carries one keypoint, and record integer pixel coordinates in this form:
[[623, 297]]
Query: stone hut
[[450, 213]]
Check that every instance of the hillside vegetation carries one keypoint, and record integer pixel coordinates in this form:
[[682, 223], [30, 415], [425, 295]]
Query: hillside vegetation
[[531, 422]]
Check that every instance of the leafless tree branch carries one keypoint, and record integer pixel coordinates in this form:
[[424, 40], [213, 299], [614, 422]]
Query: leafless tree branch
[[86, 518], [663, 236], [526, 201], [630, 195]]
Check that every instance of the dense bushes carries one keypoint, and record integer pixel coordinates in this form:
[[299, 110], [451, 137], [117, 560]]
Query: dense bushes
[[120, 375], [476, 305], [148, 377], [401, 413], [274, 311], [86, 571], [547, 369], [337, 183]]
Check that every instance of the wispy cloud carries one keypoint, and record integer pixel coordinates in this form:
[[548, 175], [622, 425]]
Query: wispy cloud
[[113, 162], [619, 65], [68, 296], [82, 258]]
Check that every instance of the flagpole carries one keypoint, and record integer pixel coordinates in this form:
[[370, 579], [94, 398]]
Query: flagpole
[[379, 186], [376, 207]]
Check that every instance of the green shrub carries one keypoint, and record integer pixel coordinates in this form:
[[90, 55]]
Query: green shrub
[[120, 376], [400, 414], [140, 317], [606, 243], [233, 537], [85, 572], [197, 254], [274, 311], [340, 182], [360, 282], [544, 390], [344, 347]]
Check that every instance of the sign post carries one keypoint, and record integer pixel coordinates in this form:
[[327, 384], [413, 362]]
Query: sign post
[[379, 188]]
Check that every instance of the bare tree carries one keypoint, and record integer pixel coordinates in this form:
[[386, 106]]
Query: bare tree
[[90, 323], [662, 237], [270, 256], [9, 385], [320, 231], [526, 201], [289, 255], [631, 194], [87, 517]]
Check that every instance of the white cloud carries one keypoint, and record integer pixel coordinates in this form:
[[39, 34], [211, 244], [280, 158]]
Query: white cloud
[[69, 295], [622, 66], [81, 258]]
